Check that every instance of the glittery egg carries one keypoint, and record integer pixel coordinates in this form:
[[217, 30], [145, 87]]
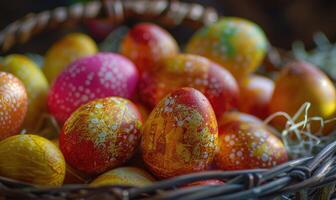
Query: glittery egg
[[186, 70], [33, 159], [301, 82], [237, 44], [255, 95], [146, 44], [35, 83], [180, 135], [101, 135], [98, 76], [246, 143], [130, 176], [65, 51], [13, 104]]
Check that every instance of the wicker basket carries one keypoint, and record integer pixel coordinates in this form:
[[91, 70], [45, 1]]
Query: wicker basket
[[305, 178]]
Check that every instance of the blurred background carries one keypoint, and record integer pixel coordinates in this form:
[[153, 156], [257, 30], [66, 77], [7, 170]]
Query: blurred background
[[284, 21]]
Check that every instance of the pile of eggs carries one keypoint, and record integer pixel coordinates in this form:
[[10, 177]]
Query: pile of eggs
[[149, 111]]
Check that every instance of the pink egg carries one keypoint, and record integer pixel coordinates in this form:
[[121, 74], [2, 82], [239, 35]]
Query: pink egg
[[98, 76]]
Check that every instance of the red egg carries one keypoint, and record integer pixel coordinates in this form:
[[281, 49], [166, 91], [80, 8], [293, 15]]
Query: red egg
[[146, 44], [89, 78], [101, 135], [255, 96], [186, 70], [180, 135], [13, 105], [246, 143]]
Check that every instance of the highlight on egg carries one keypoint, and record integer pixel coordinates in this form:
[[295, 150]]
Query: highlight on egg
[[101, 135], [32, 159], [246, 143], [13, 105], [237, 44], [187, 70], [98, 76], [180, 135], [146, 44]]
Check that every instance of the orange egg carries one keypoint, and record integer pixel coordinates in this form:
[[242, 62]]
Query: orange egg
[[180, 135], [246, 143], [13, 104], [255, 96]]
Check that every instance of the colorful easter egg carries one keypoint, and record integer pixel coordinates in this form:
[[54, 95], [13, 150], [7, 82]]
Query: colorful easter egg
[[65, 51], [35, 83], [33, 159], [301, 82], [98, 76], [237, 44], [130, 176], [146, 44], [245, 143], [255, 95], [180, 135], [13, 104], [186, 70], [101, 135]]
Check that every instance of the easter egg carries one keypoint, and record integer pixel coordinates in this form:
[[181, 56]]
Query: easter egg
[[35, 83], [146, 44], [33, 159], [300, 82], [65, 51], [98, 76], [255, 95], [245, 143], [237, 44], [101, 135], [130, 176], [186, 70], [13, 104], [180, 134]]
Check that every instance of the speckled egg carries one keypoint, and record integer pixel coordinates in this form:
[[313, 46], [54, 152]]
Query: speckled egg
[[98, 76], [186, 70], [65, 51], [35, 83], [33, 159], [101, 135], [130, 176], [245, 143], [180, 135], [237, 44], [255, 95], [146, 44], [13, 104]]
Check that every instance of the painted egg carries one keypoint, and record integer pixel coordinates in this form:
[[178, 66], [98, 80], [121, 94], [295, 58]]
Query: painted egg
[[65, 51], [300, 82], [35, 83], [186, 70], [255, 96], [32, 159], [89, 78], [180, 135], [13, 104], [146, 44], [245, 143], [130, 176], [237, 44], [101, 135]]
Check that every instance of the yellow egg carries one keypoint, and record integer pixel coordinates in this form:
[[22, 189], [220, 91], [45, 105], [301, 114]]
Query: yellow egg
[[32, 159], [65, 51], [35, 83], [131, 176]]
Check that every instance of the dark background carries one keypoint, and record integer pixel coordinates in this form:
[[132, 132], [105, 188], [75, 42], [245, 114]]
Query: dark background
[[284, 21]]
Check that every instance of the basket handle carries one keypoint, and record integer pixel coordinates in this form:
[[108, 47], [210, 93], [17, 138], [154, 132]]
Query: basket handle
[[165, 12]]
